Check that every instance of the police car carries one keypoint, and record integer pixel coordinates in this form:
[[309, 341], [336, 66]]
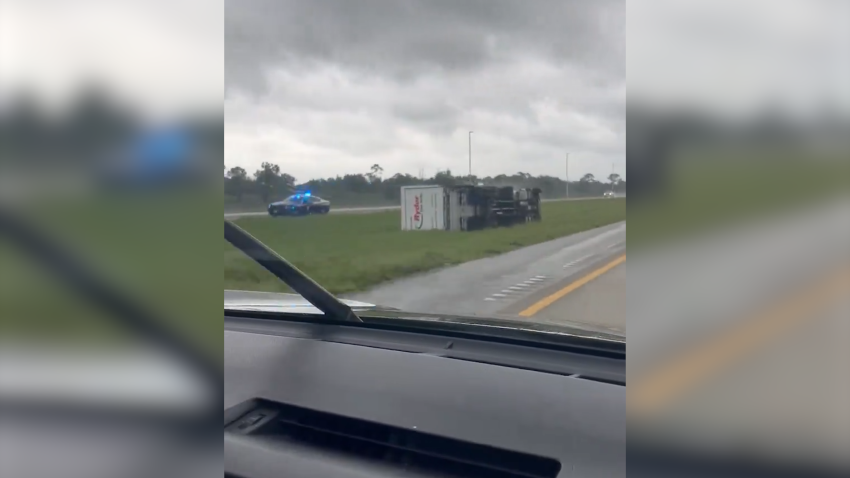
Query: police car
[[300, 204]]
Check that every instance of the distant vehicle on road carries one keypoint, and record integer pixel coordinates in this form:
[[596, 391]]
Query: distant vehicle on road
[[609, 194], [162, 157], [300, 204]]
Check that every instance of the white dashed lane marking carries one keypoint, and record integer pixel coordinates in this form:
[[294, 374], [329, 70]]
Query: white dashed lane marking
[[576, 262], [526, 286], [519, 289]]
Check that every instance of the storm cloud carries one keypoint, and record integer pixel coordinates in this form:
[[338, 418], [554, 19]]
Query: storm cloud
[[326, 87]]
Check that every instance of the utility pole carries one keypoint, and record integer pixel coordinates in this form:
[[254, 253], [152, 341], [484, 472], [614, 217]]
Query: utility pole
[[470, 156], [613, 171], [568, 174]]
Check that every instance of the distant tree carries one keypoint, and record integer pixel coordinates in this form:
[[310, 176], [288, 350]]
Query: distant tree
[[24, 126], [266, 180], [95, 122], [269, 181], [444, 178], [375, 173], [237, 184], [356, 183], [285, 185]]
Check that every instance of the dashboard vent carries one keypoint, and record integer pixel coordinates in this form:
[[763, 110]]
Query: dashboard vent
[[406, 449]]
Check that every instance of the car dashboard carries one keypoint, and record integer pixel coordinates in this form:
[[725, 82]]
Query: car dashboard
[[305, 398]]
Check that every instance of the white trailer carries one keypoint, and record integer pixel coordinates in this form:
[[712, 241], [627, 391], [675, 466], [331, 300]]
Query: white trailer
[[465, 207], [423, 208]]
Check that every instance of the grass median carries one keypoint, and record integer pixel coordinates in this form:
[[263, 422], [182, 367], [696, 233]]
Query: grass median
[[154, 248], [353, 252], [730, 190]]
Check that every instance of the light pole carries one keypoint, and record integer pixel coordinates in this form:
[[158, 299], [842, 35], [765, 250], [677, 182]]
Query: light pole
[[470, 156], [568, 174], [613, 171]]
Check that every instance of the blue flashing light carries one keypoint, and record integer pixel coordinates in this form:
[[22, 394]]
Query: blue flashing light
[[162, 148], [307, 194]]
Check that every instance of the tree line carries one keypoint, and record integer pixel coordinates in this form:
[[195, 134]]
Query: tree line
[[269, 183], [95, 126]]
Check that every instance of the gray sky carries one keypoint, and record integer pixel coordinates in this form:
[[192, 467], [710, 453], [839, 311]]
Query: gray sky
[[332, 86], [738, 57], [164, 57], [326, 87]]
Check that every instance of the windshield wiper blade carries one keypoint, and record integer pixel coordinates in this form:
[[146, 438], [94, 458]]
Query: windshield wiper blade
[[289, 274], [121, 308]]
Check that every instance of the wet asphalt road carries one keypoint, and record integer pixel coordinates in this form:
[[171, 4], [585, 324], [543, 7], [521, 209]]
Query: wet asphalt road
[[739, 342], [600, 302], [785, 401], [507, 284], [695, 288]]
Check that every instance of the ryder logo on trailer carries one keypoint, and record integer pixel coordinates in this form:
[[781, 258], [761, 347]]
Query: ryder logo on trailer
[[418, 218]]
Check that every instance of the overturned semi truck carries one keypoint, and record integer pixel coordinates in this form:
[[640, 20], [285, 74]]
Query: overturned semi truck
[[467, 207]]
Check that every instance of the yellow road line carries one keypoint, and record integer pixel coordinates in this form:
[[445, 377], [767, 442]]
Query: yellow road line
[[549, 300], [646, 396]]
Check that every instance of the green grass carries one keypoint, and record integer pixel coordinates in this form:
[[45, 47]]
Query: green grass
[[722, 191], [155, 248], [352, 252]]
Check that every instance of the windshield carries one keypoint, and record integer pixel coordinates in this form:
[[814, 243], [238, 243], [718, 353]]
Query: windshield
[[462, 172], [297, 199]]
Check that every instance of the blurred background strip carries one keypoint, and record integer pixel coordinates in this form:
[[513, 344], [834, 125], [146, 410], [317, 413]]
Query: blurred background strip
[[110, 149], [739, 211]]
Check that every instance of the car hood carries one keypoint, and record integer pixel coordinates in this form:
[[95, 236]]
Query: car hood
[[285, 203], [280, 302], [251, 301]]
